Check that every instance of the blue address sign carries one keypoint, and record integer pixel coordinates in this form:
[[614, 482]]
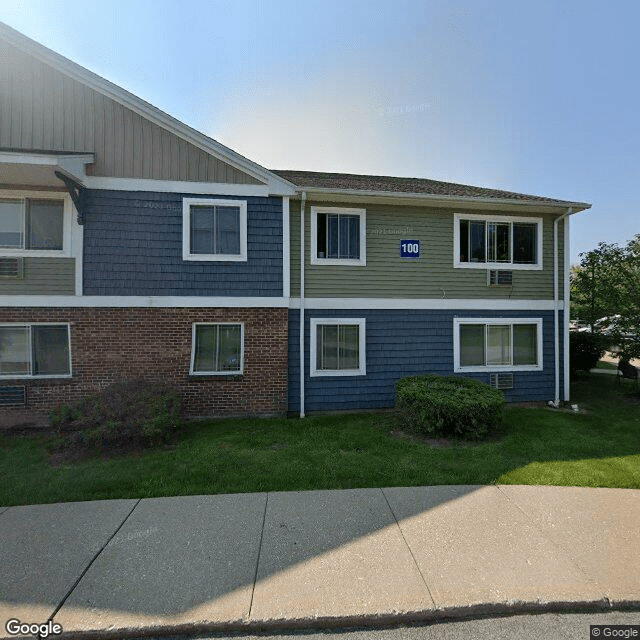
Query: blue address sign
[[410, 248]]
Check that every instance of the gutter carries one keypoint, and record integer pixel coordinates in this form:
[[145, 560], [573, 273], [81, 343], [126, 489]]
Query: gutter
[[303, 198], [449, 199], [556, 302]]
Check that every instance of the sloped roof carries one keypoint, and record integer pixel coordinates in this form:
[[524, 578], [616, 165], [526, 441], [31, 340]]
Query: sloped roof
[[391, 184], [141, 107]]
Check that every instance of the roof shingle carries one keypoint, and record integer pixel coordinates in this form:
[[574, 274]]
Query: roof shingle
[[390, 184]]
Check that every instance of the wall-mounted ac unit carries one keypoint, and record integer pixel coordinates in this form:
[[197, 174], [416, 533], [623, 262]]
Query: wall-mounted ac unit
[[501, 380], [499, 278], [12, 268], [12, 396]]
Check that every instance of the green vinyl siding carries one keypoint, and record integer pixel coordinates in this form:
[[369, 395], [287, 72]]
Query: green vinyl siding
[[42, 276], [386, 275]]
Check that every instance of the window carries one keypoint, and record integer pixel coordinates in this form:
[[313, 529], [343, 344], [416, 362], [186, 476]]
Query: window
[[32, 224], [508, 345], [34, 350], [217, 349], [337, 347], [214, 230], [483, 242], [338, 236]]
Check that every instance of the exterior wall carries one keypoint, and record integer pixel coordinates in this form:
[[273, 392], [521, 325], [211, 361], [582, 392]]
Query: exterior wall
[[433, 276], [43, 276], [401, 343], [43, 109], [108, 345], [133, 246]]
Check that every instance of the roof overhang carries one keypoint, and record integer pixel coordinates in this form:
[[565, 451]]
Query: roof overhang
[[439, 201], [275, 184], [27, 169]]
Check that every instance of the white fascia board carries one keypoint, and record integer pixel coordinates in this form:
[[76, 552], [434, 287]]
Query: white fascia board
[[440, 200], [485, 304], [174, 186], [277, 185], [72, 164], [143, 301]]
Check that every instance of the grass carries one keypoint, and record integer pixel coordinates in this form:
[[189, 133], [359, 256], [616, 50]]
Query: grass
[[598, 447], [606, 365]]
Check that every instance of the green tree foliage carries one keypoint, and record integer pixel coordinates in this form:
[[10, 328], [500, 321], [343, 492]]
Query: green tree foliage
[[607, 283]]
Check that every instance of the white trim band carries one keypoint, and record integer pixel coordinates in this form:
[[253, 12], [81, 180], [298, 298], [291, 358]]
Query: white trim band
[[425, 303], [179, 187], [142, 301]]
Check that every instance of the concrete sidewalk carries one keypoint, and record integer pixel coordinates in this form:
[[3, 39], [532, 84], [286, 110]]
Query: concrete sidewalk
[[306, 559]]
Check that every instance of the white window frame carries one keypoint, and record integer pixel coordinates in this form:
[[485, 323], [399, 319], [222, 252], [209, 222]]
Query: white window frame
[[28, 325], [457, 217], [314, 324], [457, 322], [237, 372], [187, 203], [343, 262], [67, 224]]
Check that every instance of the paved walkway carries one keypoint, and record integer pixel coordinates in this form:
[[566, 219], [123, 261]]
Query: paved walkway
[[317, 558]]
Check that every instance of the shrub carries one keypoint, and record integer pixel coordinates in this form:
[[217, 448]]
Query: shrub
[[448, 406], [125, 415], [585, 349]]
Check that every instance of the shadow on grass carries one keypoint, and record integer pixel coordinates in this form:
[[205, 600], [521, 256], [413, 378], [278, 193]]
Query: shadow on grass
[[243, 457]]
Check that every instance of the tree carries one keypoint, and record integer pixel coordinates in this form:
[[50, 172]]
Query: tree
[[607, 283]]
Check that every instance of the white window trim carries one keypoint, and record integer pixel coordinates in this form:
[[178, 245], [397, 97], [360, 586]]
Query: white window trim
[[30, 376], [187, 203], [495, 321], [362, 369], [237, 372], [511, 266], [343, 262], [67, 224]]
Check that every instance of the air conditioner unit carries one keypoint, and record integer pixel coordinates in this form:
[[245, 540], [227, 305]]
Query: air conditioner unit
[[501, 380], [12, 396], [499, 278], [12, 268]]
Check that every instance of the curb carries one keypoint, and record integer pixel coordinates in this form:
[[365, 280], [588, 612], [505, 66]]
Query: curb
[[387, 620]]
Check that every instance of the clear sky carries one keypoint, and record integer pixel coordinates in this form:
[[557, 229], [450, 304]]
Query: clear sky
[[539, 97]]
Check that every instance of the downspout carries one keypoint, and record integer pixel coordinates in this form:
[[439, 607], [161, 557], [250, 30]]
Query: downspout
[[303, 199], [556, 302]]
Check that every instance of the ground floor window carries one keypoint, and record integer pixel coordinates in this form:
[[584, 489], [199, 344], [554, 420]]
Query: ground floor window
[[34, 350], [337, 346], [217, 349], [505, 344]]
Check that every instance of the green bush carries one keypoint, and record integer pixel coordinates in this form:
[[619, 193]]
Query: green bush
[[448, 406], [585, 349], [125, 415]]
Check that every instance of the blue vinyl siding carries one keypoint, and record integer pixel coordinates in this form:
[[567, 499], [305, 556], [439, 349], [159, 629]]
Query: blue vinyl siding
[[402, 343], [133, 247]]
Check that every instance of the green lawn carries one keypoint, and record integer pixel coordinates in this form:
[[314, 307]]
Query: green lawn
[[606, 365], [598, 447]]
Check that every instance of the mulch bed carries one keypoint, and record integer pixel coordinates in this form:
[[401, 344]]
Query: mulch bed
[[24, 423]]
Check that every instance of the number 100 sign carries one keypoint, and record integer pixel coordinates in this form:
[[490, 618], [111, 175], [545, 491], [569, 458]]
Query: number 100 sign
[[409, 248]]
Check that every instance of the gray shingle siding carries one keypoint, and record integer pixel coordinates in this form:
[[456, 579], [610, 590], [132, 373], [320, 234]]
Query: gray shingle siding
[[401, 343], [133, 247]]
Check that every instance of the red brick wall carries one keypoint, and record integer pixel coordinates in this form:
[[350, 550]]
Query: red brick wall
[[112, 344]]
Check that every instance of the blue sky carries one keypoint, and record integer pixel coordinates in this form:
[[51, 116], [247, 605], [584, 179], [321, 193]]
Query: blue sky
[[539, 97]]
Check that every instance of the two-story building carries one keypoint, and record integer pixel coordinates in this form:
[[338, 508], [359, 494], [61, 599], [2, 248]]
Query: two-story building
[[134, 246]]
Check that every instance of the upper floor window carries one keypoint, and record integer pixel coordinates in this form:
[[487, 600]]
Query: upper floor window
[[34, 350], [214, 230], [497, 242], [338, 236], [31, 224]]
